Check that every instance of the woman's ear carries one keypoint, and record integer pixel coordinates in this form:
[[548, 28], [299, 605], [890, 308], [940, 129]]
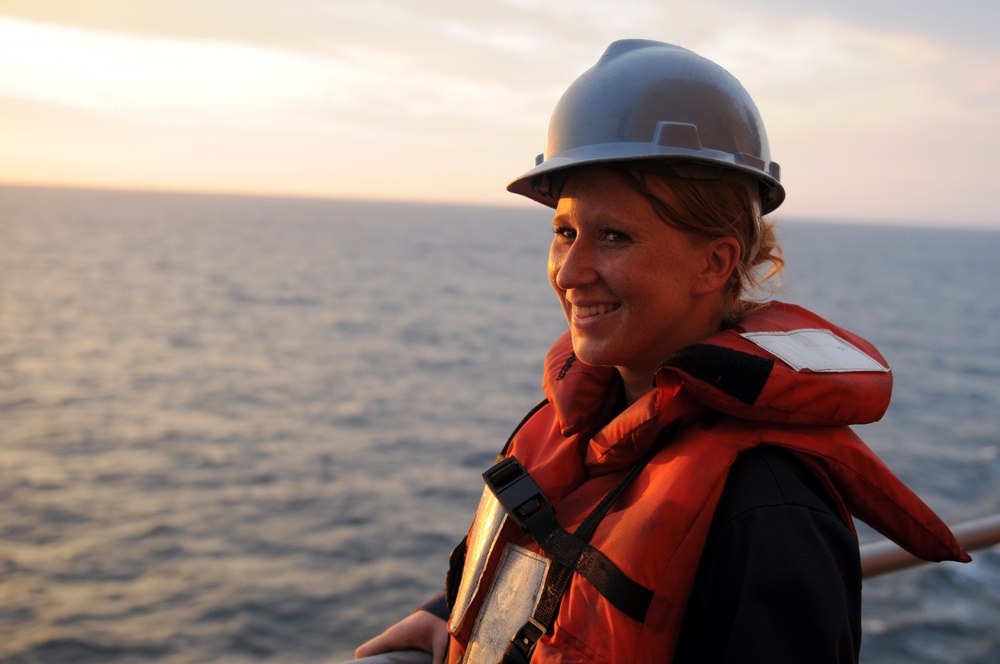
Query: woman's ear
[[722, 255]]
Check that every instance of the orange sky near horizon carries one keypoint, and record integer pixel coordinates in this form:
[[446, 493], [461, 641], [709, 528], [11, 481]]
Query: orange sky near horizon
[[870, 118]]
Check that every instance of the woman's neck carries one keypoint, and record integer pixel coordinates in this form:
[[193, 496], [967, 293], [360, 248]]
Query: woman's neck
[[640, 380], [636, 384]]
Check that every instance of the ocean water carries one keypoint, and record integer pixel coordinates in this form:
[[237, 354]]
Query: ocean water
[[250, 429]]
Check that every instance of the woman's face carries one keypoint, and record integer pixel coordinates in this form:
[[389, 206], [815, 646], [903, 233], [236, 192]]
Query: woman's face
[[631, 286]]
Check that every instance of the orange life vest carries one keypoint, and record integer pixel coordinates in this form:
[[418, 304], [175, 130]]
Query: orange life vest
[[577, 450]]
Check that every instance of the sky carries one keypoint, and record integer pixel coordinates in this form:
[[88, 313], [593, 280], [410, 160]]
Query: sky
[[876, 111]]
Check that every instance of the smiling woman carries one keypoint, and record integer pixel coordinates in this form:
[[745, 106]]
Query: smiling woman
[[634, 289], [685, 491]]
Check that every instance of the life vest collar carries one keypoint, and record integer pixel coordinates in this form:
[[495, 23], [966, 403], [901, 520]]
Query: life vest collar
[[730, 373]]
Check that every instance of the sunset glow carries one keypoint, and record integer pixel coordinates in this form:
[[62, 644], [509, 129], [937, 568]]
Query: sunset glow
[[434, 103]]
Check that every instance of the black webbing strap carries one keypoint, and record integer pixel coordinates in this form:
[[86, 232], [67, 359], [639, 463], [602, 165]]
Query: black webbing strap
[[456, 561], [527, 506], [531, 413], [557, 580], [569, 552]]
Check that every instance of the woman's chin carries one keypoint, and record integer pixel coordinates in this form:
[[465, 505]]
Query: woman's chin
[[594, 354]]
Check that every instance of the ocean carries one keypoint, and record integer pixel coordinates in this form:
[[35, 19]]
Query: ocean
[[247, 429]]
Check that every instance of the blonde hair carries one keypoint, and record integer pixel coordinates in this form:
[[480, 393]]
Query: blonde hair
[[717, 208]]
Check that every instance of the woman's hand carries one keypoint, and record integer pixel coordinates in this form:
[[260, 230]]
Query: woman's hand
[[419, 630]]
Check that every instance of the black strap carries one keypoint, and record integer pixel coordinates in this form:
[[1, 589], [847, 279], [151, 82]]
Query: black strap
[[453, 577], [456, 561], [524, 420], [522, 644], [528, 507], [531, 508]]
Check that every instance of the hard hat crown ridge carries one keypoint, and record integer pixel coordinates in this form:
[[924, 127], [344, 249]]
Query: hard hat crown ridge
[[655, 106]]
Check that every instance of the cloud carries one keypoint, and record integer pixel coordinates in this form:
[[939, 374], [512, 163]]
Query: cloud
[[398, 89], [813, 73], [156, 79], [172, 80]]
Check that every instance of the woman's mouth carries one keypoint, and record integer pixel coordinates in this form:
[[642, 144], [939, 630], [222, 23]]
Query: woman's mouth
[[594, 310]]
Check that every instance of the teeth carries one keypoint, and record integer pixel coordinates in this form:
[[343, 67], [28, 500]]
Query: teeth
[[595, 310]]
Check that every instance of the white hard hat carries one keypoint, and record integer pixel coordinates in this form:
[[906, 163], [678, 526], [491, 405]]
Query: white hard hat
[[655, 106]]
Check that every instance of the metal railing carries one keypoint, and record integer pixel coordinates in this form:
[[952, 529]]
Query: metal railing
[[884, 556]]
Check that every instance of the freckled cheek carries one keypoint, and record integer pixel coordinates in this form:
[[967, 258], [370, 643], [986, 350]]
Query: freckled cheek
[[560, 293], [553, 268]]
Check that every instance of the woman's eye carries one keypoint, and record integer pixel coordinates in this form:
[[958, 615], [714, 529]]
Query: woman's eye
[[615, 236], [564, 233]]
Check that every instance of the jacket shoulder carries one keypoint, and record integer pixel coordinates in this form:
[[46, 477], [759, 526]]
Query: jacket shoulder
[[770, 477]]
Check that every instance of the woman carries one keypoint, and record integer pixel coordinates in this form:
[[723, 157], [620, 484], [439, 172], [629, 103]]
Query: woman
[[685, 491]]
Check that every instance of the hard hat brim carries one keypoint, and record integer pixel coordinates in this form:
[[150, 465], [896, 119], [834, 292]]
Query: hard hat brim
[[698, 164]]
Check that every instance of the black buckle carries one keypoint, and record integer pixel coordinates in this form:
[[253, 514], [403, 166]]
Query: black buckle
[[516, 491], [527, 638]]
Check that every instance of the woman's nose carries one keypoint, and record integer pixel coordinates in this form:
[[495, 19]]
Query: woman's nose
[[572, 266]]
